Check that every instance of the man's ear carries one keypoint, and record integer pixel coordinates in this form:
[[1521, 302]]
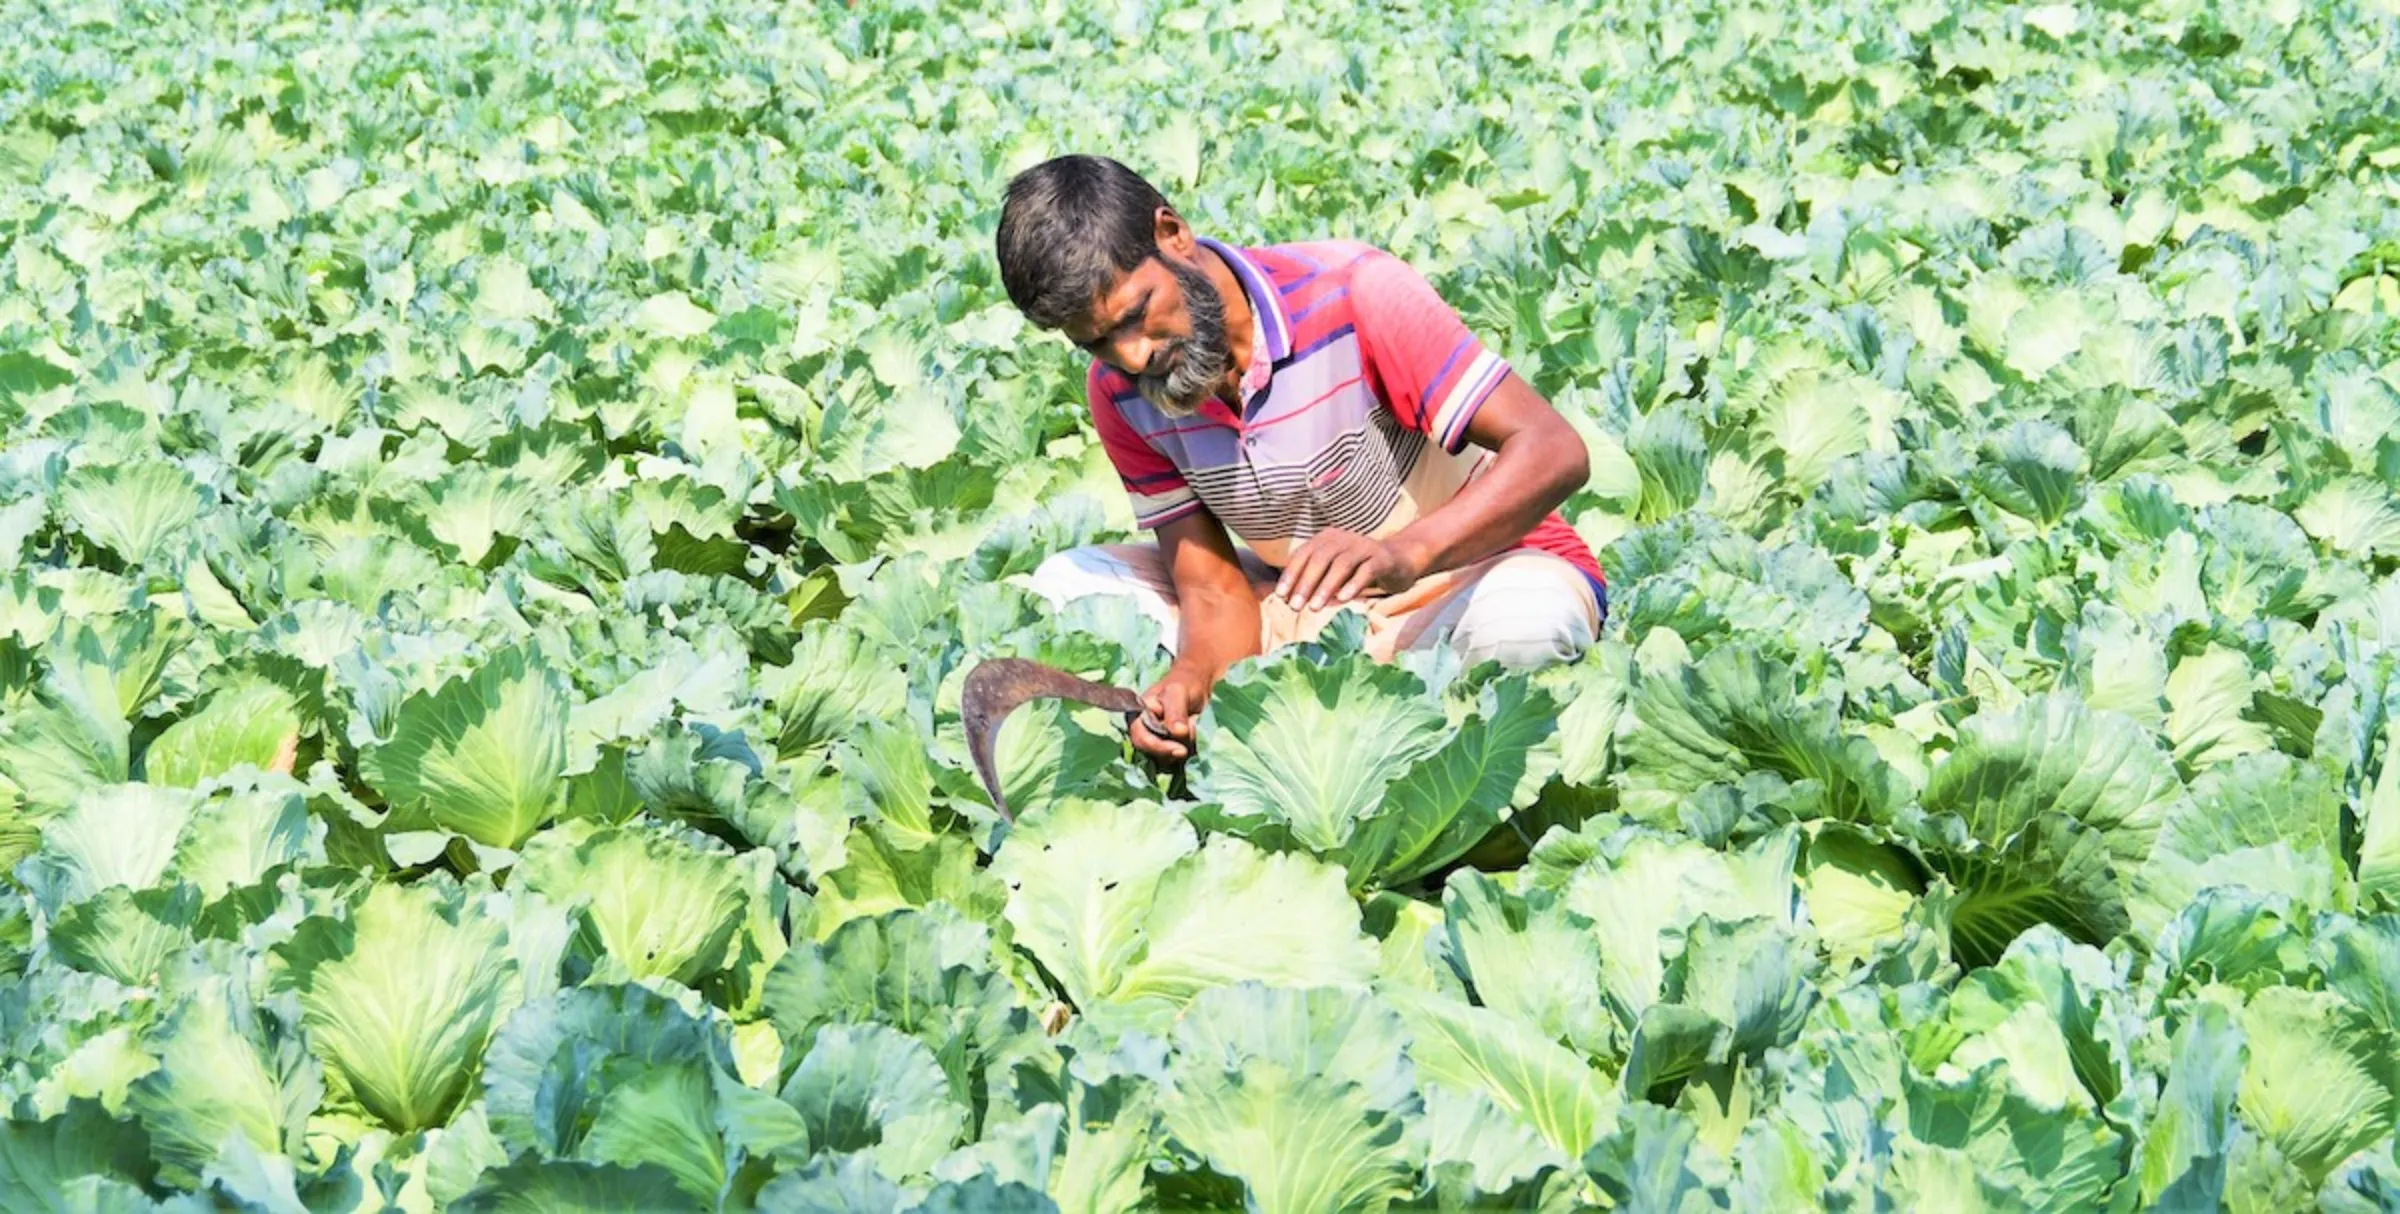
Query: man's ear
[[1174, 235]]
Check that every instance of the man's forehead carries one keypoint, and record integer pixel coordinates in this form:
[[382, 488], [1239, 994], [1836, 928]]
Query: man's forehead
[[1111, 302]]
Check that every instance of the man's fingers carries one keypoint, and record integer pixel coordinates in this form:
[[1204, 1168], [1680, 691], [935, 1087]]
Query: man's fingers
[[1337, 574], [1291, 565], [1151, 743], [1301, 578], [1174, 720], [1312, 569], [1359, 580], [1305, 574], [1178, 713], [1303, 561]]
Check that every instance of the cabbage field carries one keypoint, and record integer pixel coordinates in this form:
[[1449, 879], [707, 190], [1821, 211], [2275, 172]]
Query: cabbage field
[[497, 502]]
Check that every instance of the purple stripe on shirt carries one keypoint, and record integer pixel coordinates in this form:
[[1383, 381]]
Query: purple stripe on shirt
[[1207, 447], [1169, 515], [1314, 346], [1433, 390], [1261, 291], [1183, 427], [1318, 268], [1332, 296], [1454, 434]]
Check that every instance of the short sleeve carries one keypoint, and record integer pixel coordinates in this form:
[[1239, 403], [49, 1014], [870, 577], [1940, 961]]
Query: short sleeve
[[1431, 371], [1159, 492]]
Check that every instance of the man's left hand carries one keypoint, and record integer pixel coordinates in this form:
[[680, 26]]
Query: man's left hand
[[1333, 567]]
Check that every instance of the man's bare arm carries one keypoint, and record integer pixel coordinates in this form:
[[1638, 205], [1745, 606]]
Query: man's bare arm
[[1217, 626], [1539, 461]]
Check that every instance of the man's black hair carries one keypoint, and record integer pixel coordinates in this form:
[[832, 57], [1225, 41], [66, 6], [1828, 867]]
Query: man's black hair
[[1069, 227]]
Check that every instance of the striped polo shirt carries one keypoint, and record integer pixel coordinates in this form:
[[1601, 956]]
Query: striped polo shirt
[[1360, 421]]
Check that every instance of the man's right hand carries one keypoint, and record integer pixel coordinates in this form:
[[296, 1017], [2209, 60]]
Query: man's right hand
[[1164, 731]]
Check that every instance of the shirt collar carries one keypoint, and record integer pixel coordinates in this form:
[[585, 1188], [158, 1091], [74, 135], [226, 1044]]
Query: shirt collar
[[1266, 303], [1261, 370]]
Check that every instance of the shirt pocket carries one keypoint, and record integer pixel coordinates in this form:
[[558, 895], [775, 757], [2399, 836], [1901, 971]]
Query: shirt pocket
[[1354, 490]]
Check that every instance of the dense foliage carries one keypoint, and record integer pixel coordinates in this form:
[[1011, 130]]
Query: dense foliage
[[496, 501]]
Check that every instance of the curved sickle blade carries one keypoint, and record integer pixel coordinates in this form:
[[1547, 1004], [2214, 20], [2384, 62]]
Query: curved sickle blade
[[995, 689]]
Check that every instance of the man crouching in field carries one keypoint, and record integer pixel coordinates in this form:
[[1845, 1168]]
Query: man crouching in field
[[1319, 401]]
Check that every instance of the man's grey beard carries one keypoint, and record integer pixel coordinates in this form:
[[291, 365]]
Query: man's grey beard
[[1202, 359]]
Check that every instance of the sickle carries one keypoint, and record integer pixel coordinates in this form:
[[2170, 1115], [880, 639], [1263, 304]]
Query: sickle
[[995, 689]]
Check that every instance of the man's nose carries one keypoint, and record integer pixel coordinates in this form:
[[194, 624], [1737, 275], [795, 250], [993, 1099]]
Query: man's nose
[[1136, 352]]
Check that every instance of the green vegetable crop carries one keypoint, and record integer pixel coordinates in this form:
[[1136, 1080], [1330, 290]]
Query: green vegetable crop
[[496, 503]]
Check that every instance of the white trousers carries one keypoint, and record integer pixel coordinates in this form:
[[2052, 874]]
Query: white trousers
[[1521, 608]]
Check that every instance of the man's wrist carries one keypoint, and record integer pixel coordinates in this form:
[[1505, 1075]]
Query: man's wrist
[[1203, 670], [1414, 555]]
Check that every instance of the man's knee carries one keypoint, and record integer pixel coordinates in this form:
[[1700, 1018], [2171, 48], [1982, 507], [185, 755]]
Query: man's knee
[[1058, 578], [1522, 641], [1080, 573], [1525, 616], [1101, 570]]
